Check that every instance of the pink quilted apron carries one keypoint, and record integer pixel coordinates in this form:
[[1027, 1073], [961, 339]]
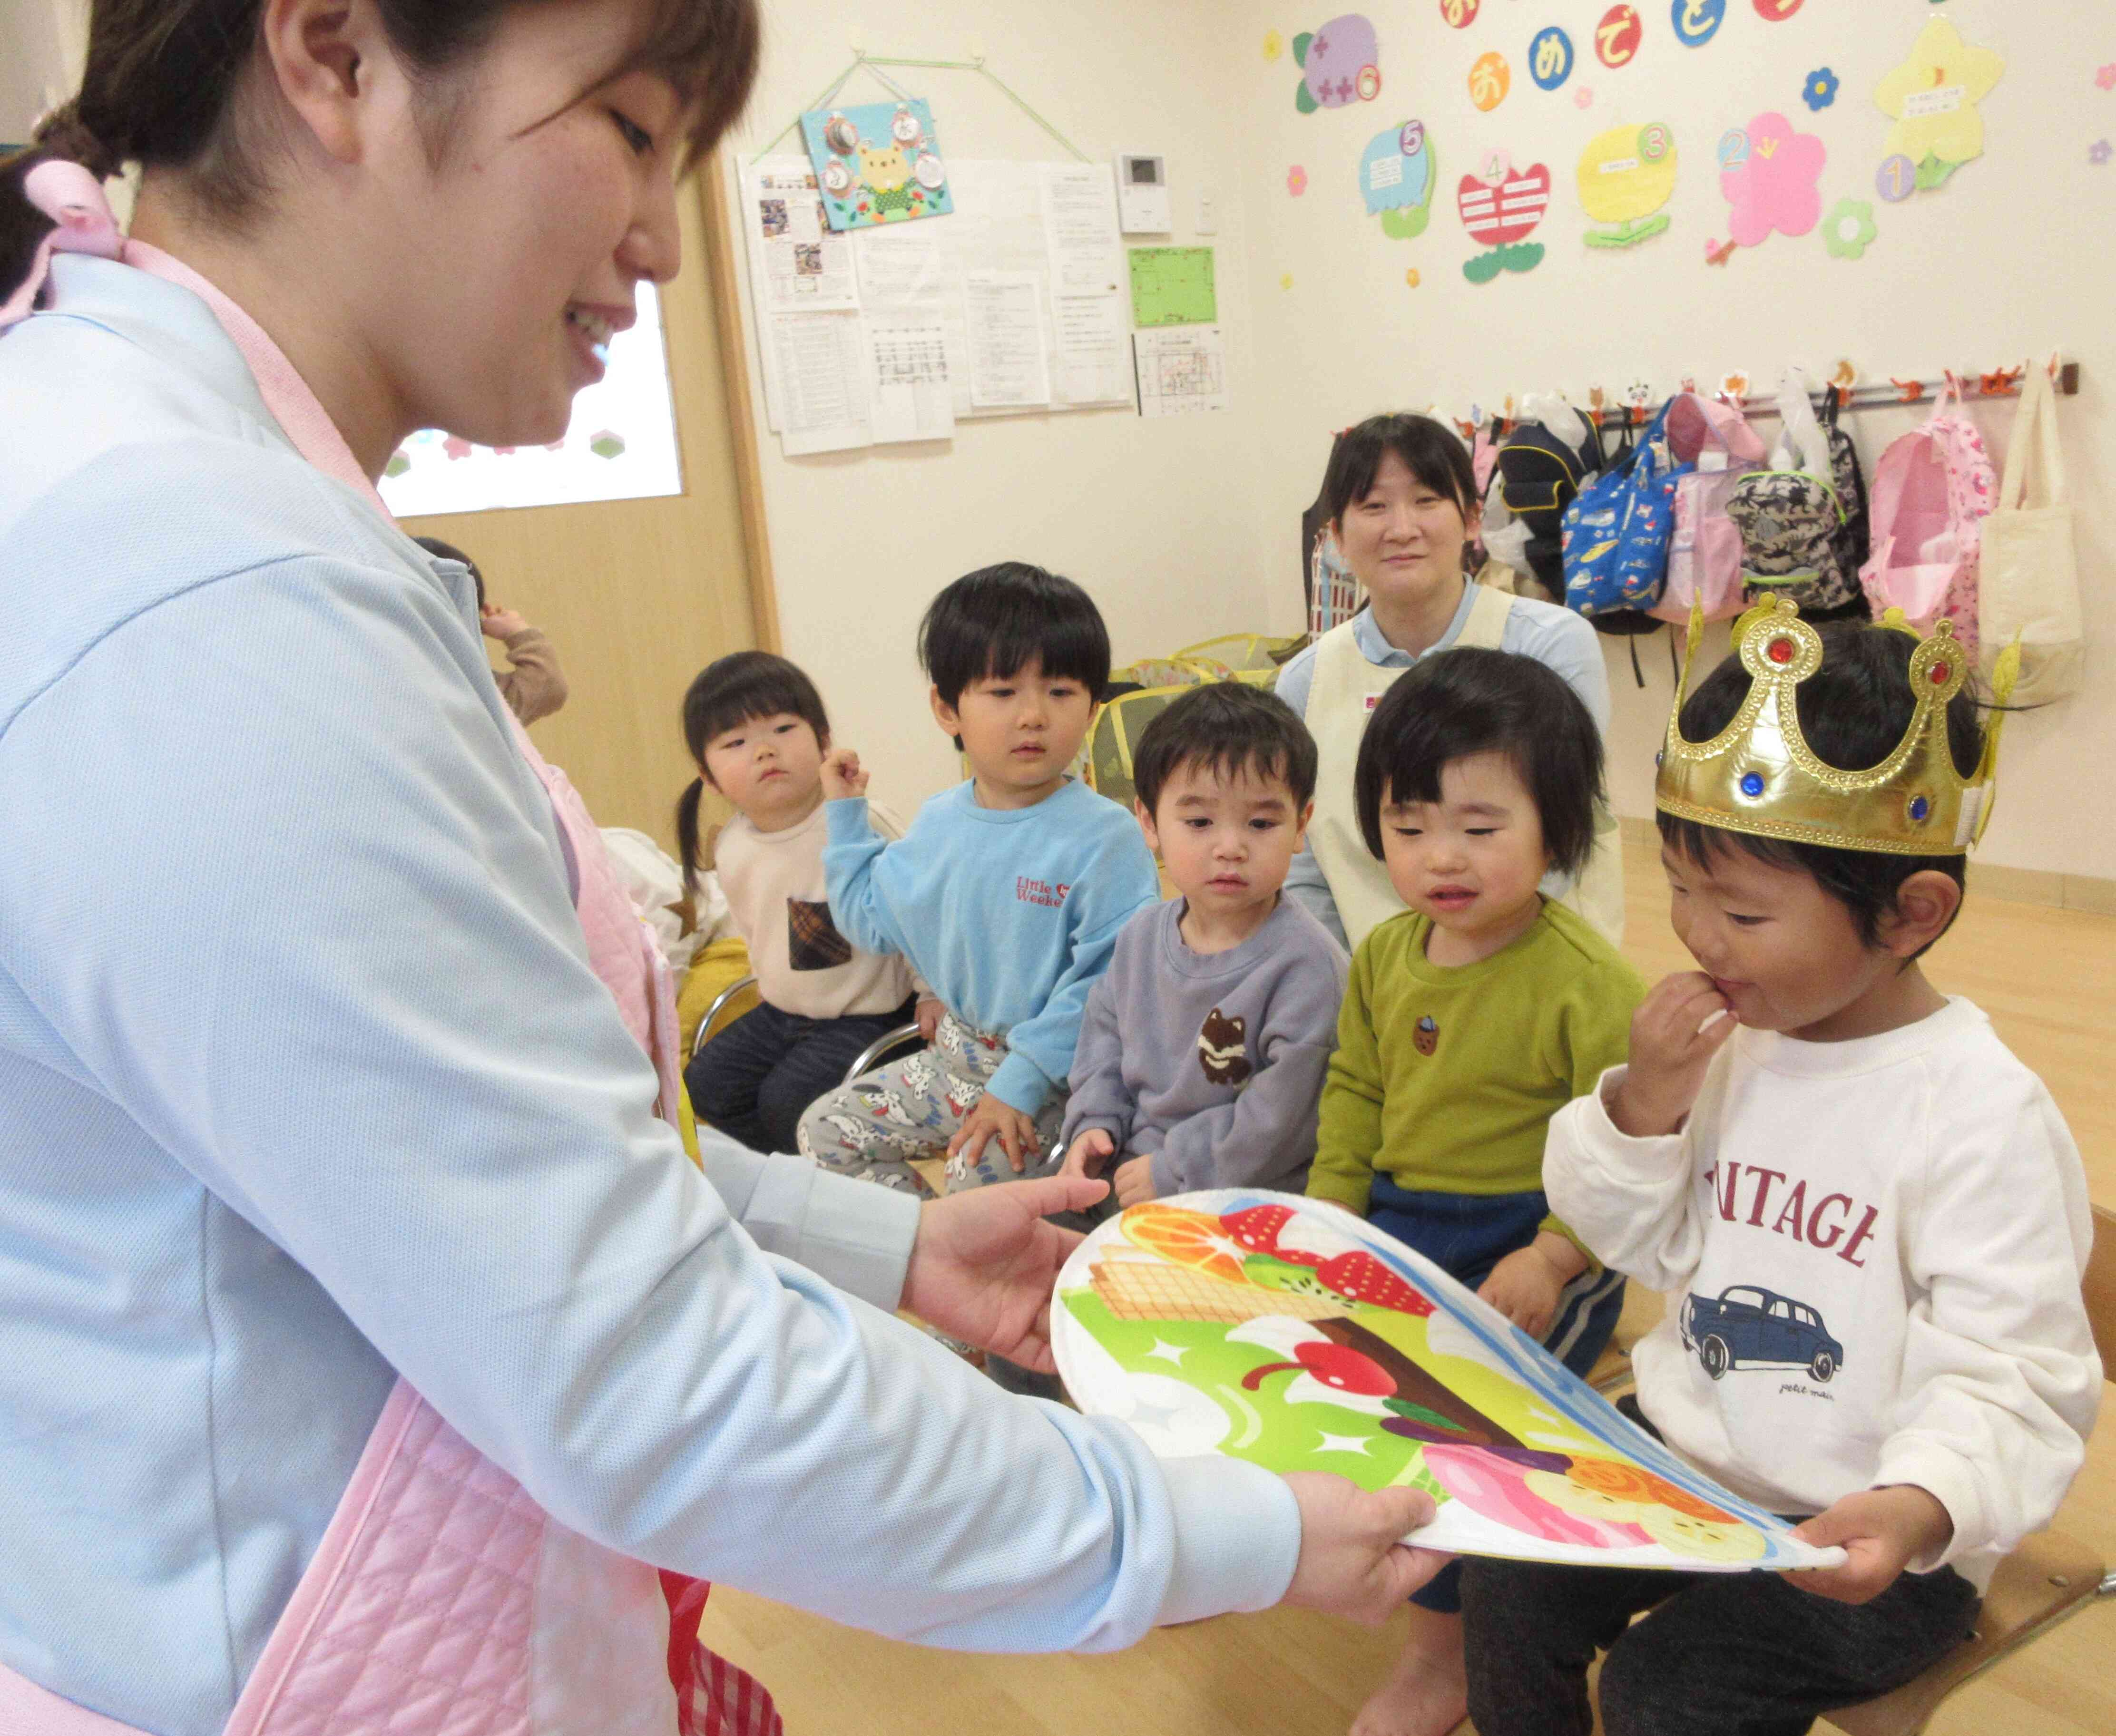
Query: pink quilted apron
[[443, 1600]]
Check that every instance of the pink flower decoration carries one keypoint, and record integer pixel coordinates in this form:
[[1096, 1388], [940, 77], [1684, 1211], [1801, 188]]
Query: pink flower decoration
[[1776, 187], [1583, 97], [2106, 77], [1296, 181]]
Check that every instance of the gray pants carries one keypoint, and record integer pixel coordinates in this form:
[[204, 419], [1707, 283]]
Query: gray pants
[[912, 1108], [1721, 1655]]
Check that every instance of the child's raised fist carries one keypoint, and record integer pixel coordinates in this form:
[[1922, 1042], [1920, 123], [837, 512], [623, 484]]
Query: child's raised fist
[[1683, 1022], [843, 776]]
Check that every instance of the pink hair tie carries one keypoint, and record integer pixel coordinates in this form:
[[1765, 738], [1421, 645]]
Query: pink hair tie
[[73, 199]]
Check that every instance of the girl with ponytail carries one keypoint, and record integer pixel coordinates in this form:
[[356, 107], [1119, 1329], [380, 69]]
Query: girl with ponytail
[[755, 726]]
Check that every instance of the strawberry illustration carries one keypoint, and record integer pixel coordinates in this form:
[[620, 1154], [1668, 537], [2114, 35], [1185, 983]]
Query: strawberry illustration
[[1358, 1277], [1257, 1229]]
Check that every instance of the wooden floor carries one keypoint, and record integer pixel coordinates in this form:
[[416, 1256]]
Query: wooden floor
[[2048, 979]]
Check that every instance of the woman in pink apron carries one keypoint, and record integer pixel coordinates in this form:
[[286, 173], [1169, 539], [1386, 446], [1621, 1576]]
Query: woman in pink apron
[[374, 1362]]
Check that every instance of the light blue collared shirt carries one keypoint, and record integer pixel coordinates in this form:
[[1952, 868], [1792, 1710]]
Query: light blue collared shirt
[[1552, 636], [306, 1083]]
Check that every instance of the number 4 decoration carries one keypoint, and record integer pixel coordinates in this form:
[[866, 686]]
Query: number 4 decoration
[[1697, 21]]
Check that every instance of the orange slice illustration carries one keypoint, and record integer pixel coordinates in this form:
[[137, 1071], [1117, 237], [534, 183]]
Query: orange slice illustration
[[1185, 1238]]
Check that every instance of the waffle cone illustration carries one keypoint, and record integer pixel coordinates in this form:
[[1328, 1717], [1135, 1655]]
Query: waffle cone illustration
[[1148, 1290]]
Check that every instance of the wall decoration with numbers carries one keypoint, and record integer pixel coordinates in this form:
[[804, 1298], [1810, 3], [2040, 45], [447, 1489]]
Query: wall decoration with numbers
[[1931, 98], [1626, 175], [1769, 172], [1500, 206], [1397, 172]]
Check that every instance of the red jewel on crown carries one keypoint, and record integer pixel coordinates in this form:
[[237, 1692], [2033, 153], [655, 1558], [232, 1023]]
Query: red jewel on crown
[[1940, 671], [1779, 650]]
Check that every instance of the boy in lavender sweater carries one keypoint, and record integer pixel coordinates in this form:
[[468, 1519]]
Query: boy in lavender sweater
[[1204, 1045]]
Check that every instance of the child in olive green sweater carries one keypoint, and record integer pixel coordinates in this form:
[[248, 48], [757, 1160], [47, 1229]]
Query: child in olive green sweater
[[1471, 1020]]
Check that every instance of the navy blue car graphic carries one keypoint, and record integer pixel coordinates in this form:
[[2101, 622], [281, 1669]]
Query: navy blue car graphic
[[1751, 1328]]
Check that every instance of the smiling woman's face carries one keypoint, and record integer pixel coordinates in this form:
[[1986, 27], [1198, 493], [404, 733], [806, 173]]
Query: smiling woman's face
[[1403, 537], [506, 258]]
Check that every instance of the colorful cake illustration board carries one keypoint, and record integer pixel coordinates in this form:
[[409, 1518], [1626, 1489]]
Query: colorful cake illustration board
[[1289, 1333]]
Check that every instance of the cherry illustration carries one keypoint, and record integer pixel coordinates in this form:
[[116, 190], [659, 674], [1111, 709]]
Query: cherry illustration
[[1335, 1366]]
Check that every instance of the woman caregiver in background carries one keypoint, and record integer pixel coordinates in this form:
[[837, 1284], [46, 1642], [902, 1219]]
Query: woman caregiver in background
[[334, 1209]]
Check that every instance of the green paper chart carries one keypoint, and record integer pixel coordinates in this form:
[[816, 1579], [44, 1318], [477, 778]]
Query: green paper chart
[[1173, 286]]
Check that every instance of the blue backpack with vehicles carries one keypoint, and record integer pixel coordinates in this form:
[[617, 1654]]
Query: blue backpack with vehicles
[[1617, 530]]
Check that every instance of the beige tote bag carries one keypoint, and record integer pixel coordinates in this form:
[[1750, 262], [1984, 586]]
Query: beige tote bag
[[2030, 584]]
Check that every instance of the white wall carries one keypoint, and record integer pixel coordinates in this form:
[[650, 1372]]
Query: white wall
[[1152, 516], [2009, 257], [40, 46]]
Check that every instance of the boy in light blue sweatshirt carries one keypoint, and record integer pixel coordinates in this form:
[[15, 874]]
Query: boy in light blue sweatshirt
[[1006, 894]]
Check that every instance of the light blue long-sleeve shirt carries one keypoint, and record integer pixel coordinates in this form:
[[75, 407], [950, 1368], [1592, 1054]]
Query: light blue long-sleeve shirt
[[1556, 637], [1010, 913], [306, 1083]]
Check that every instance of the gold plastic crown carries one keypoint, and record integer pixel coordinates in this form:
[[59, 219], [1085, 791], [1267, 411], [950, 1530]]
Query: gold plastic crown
[[1757, 775]]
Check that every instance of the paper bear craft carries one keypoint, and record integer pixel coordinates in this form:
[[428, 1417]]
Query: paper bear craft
[[878, 163]]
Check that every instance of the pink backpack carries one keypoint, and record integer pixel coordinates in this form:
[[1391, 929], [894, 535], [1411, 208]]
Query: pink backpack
[[1704, 552], [1932, 490]]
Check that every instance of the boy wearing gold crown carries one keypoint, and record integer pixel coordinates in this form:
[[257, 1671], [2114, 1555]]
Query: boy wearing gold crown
[[1869, 1217]]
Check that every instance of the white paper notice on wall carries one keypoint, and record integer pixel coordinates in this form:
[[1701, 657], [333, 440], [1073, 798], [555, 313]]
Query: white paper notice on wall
[[798, 263], [1182, 369], [1094, 361], [1080, 226], [1009, 369], [820, 365], [911, 398]]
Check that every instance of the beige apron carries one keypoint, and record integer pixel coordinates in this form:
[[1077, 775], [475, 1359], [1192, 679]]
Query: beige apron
[[1341, 697]]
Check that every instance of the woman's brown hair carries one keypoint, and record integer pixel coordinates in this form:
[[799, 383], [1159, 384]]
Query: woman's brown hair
[[161, 78]]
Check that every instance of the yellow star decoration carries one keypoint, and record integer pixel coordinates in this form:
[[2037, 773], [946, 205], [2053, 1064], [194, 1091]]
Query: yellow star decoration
[[1286, 281], [1942, 69], [1274, 45], [1410, 276]]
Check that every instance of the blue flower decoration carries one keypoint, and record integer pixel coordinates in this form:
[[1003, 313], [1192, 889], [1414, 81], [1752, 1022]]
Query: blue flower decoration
[[1820, 89], [1752, 784]]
